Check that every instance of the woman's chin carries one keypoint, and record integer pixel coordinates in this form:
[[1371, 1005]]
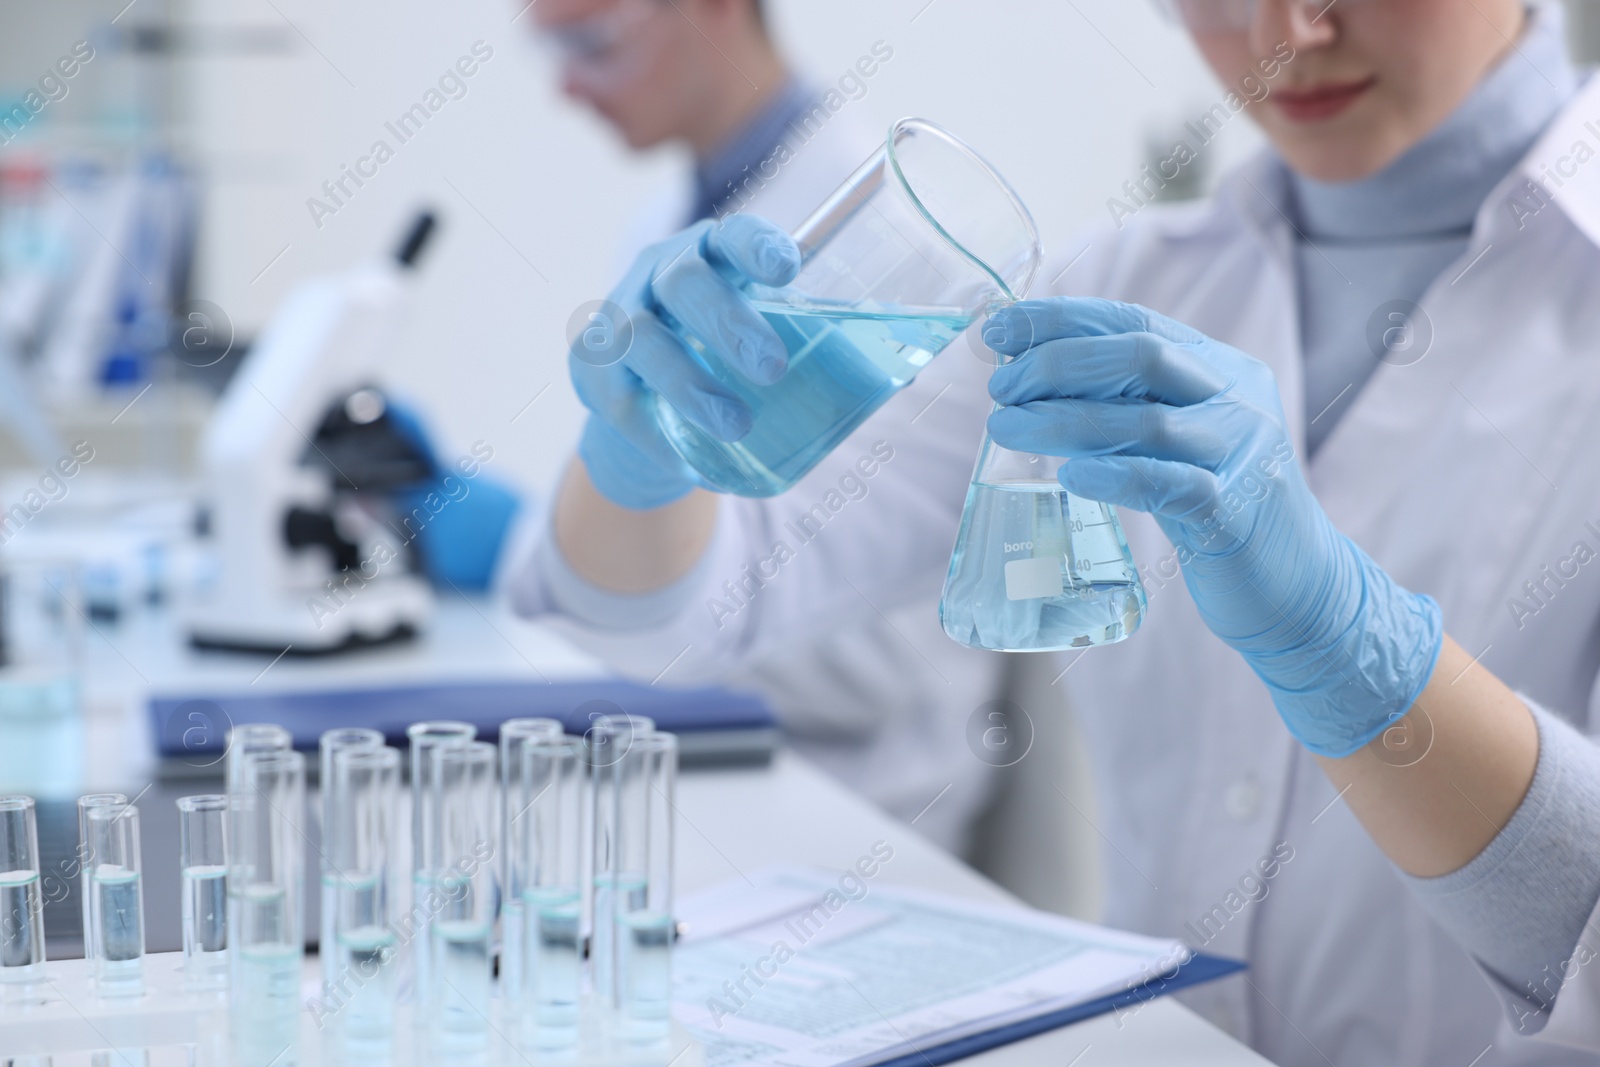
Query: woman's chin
[[1332, 158]]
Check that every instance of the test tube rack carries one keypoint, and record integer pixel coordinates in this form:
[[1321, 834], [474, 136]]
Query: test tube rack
[[170, 1022]]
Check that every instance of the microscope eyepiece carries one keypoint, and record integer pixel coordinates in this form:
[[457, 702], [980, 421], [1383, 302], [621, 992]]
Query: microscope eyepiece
[[416, 239]]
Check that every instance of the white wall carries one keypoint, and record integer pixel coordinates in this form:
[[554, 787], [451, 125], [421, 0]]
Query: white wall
[[1060, 94]]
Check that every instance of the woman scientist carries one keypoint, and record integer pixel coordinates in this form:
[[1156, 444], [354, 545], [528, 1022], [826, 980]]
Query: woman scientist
[[1391, 549]]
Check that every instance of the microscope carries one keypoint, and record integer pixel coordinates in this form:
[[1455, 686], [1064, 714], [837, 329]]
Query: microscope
[[299, 463]]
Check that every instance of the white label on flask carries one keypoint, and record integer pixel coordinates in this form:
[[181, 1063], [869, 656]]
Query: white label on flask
[[1032, 579]]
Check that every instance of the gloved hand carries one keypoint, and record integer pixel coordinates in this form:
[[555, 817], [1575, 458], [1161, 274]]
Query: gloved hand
[[691, 277], [1160, 418]]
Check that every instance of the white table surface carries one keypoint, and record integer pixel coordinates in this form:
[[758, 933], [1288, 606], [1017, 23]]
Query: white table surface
[[730, 821]]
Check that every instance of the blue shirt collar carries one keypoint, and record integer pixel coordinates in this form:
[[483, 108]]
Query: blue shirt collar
[[1436, 187]]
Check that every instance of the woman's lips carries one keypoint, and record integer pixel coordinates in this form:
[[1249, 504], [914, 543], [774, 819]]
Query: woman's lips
[[1321, 101]]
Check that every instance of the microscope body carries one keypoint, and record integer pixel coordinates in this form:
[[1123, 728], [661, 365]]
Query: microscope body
[[305, 558]]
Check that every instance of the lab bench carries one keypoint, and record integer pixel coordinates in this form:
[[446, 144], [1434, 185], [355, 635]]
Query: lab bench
[[731, 821]]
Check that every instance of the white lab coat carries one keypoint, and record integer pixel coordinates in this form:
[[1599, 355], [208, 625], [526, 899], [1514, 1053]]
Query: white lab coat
[[882, 704], [1575, 1022], [1463, 474]]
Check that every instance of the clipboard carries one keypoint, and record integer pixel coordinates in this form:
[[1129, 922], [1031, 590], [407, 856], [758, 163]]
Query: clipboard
[[1198, 970]]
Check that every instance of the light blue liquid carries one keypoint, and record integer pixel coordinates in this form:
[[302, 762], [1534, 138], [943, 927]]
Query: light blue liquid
[[42, 708], [205, 925], [462, 972], [614, 895], [119, 923], [645, 974], [22, 936], [265, 1017], [554, 962], [364, 982], [844, 363], [1036, 569]]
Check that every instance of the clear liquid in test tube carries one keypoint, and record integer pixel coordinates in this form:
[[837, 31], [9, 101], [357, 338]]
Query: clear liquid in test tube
[[359, 834], [462, 844], [266, 913], [21, 899], [116, 901], [643, 916], [515, 797], [612, 885], [331, 742], [203, 866], [546, 839], [424, 738], [91, 944]]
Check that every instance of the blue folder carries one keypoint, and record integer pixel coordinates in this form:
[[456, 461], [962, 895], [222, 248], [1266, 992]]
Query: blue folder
[[1200, 968], [713, 725]]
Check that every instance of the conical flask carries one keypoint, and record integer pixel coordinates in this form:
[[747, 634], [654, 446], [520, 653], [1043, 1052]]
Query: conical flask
[[1036, 569]]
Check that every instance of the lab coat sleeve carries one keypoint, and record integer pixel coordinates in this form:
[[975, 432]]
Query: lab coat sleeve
[[547, 585], [1524, 907], [1575, 1019], [858, 536]]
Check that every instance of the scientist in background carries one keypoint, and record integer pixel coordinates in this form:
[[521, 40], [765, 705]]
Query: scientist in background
[[883, 705]]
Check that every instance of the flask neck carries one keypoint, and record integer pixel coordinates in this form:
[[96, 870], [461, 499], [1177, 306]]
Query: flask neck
[[1002, 466]]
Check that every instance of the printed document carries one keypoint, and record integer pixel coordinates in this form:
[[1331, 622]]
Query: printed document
[[801, 968]]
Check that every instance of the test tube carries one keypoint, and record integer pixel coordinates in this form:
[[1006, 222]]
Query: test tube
[[116, 903], [359, 844], [332, 741], [266, 915], [203, 864], [91, 943], [425, 737], [515, 797], [547, 840], [643, 913], [21, 897], [616, 731], [609, 741], [461, 845], [246, 739]]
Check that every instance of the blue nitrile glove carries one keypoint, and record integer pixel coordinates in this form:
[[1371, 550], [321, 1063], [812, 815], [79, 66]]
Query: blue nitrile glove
[[1160, 418], [458, 517], [467, 521], [693, 278]]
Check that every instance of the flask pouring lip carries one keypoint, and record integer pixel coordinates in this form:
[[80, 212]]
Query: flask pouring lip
[[1008, 294]]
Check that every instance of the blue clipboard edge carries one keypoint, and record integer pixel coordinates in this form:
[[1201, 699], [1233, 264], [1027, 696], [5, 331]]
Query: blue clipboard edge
[[1199, 969]]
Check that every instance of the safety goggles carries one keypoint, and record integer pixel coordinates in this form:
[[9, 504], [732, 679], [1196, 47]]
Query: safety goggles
[[599, 47], [1214, 16]]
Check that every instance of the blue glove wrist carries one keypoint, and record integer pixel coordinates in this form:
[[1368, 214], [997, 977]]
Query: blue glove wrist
[[1359, 682], [628, 477]]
